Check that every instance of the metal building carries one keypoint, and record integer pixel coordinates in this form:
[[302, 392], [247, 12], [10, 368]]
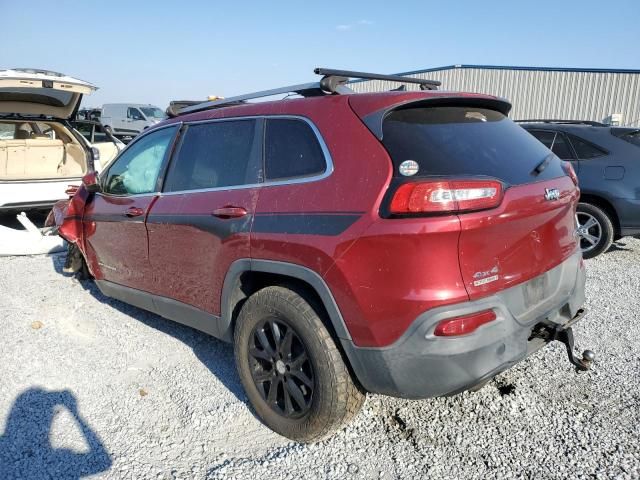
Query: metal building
[[597, 94]]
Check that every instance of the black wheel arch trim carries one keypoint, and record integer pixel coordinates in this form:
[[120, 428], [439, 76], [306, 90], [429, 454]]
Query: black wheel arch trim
[[299, 272]]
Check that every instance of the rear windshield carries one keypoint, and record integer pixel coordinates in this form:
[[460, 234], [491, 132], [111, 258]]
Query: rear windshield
[[631, 136], [466, 141]]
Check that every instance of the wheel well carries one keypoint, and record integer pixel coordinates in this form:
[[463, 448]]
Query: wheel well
[[252, 281], [606, 206]]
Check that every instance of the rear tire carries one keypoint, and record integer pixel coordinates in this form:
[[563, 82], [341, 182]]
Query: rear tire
[[595, 229], [283, 349]]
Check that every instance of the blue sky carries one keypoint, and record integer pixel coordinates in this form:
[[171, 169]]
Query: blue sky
[[152, 52]]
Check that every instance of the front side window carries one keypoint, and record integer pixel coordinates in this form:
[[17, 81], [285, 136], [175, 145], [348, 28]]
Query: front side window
[[136, 170], [215, 155], [291, 150], [585, 150], [134, 114], [153, 112]]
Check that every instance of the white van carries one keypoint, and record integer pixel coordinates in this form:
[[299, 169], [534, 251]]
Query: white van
[[129, 119]]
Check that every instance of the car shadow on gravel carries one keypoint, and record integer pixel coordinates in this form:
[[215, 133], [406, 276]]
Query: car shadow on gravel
[[214, 354], [618, 247], [26, 449]]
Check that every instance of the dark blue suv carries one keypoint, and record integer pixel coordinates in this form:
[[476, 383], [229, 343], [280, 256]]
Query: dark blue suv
[[607, 161]]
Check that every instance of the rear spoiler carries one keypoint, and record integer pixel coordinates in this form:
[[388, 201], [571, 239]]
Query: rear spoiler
[[375, 120]]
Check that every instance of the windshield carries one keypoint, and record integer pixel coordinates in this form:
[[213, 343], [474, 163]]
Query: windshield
[[152, 112]]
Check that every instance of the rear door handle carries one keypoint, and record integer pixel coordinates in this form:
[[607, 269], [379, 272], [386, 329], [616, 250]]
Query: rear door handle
[[134, 212], [229, 212]]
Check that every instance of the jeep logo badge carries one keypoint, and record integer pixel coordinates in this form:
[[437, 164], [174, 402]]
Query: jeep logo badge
[[551, 194]]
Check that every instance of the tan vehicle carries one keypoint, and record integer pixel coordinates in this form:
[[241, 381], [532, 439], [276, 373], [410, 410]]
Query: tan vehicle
[[40, 152]]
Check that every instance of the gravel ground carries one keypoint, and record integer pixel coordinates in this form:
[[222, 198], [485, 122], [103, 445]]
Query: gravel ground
[[93, 387]]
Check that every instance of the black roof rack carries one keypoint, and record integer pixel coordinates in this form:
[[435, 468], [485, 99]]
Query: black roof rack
[[569, 122], [332, 82], [175, 106]]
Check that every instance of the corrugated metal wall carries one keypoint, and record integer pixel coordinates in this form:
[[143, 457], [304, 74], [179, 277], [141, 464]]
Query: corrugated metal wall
[[539, 93]]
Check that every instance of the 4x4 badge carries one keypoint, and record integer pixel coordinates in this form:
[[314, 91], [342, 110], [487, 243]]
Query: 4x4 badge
[[551, 194]]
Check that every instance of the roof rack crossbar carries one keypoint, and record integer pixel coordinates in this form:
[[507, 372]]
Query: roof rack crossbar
[[426, 84], [333, 81], [304, 89]]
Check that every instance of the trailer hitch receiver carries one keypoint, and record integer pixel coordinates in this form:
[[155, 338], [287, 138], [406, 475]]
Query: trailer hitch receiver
[[565, 335]]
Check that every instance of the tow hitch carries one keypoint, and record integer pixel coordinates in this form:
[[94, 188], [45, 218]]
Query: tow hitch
[[564, 334]]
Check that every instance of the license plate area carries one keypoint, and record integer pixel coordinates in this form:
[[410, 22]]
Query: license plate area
[[536, 290]]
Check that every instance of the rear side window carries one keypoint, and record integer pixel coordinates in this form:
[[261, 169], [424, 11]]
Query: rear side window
[[292, 150], [585, 150], [556, 142], [214, 155], [465, 141], [562, 148], [545, 137]]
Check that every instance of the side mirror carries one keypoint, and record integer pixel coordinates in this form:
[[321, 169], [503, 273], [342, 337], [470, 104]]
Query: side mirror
[[90, 182]]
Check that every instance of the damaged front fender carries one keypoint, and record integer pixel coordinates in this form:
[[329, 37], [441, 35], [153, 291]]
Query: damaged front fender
[[67, 215]]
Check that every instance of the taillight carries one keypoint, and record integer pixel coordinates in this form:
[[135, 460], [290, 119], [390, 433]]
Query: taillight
[[569, 170], [463, 325], [446, 196]]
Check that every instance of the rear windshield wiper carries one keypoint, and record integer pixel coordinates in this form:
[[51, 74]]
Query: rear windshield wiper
[[542, 165]]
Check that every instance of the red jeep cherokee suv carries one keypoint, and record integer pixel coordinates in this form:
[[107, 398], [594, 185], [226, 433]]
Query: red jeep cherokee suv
[[413, 244]]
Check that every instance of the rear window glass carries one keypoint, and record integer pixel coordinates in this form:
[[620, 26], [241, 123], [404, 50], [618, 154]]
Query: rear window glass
[[214, 155], [561, 147], [631, 136], [545, 137], [291, 150], [465, 141]]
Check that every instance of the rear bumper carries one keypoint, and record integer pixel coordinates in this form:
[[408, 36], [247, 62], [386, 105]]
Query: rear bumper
[[33, 195], [421, 365]]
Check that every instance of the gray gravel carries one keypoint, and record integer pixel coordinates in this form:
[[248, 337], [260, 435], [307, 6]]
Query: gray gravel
[[91, 386]]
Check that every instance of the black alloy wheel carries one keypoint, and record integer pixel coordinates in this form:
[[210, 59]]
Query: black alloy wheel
[[290, 366], [281, 369]]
